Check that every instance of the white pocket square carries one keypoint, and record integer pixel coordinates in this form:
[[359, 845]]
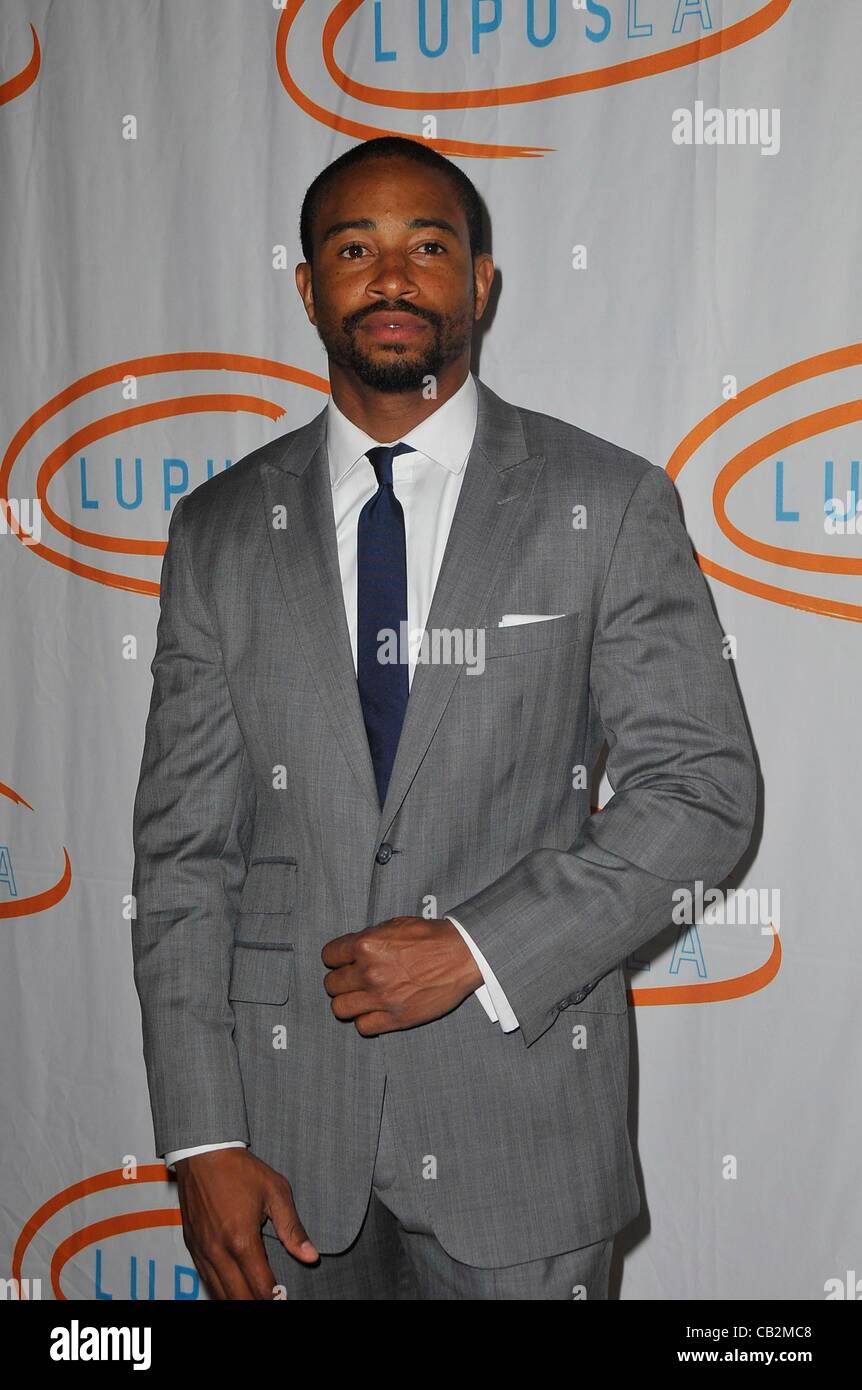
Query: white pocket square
[[512, 619]]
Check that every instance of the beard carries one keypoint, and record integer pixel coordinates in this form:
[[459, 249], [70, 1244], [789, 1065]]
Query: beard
[[397, 367]]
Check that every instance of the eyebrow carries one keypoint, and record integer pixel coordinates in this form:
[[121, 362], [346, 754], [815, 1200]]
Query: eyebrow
[[366, 224]]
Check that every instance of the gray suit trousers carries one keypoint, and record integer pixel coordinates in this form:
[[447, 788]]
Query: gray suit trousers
[[396, 1255]]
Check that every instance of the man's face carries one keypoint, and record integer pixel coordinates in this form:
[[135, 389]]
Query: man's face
[[393, 291]]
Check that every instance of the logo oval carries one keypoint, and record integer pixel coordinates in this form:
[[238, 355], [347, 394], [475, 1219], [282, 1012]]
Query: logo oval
[[707, 45], [133, 417], [798, 380]]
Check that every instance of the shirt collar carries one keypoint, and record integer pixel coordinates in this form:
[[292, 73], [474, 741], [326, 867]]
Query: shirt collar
[[445, 437]]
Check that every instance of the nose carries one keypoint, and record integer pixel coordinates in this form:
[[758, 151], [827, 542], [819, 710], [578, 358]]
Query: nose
[[393, 277]]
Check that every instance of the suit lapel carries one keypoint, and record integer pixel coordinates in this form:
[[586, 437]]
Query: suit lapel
[[306, 556], [499, 479], [498, 482]]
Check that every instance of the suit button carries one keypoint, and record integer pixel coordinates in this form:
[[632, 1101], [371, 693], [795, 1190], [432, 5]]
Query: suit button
[[384, 854]]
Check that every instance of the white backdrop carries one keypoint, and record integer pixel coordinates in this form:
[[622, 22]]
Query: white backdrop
[[153, 157]]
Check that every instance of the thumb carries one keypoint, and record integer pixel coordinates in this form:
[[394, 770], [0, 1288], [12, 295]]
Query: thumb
[[290, 1229]]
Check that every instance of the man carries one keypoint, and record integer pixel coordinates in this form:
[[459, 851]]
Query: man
[[379, 939]]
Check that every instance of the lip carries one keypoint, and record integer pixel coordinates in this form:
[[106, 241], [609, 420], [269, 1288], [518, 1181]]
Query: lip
[[393, 327]]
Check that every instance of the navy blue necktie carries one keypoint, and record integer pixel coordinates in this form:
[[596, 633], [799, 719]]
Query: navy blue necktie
[[381, 573]]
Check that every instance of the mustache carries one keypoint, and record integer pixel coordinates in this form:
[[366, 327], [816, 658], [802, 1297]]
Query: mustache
[[353, 320]]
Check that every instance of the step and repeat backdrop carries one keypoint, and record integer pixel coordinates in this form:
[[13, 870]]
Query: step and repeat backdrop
[[674, 201]]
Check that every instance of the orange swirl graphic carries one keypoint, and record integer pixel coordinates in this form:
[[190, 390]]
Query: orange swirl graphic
[[108, 376], [713, 991], [359, 129], [101, 1230], [14, 86], [13, 796], [121, 420], [805, 428], [708, 46], [39, 902], [795, 430]]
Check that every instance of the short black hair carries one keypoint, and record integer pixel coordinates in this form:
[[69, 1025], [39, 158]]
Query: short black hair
[[387, 147]]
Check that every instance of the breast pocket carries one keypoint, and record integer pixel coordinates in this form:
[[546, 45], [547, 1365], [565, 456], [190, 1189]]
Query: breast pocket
[[537, 637]]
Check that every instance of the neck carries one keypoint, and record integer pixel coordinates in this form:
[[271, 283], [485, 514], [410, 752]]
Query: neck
[[387, 415]]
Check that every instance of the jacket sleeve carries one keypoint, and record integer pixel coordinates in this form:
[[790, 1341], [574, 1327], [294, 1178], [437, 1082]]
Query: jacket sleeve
[[680, 762], [191, 818]]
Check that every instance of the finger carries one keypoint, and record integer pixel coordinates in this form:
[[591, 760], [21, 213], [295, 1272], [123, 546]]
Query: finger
[[258, 1271], [233, 1278], [208, 1273], [345, 978], [374, 1022], [203, 1264], [346, 1006], [341, 950]]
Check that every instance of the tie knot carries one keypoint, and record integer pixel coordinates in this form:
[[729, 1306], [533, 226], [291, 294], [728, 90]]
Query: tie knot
[[381, 456]]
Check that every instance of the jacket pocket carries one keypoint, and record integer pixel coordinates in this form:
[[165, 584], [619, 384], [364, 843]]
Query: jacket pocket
[[531, 637], [262, 972]]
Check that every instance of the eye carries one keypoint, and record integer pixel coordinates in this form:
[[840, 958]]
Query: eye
[[424, 244], [352, 246]]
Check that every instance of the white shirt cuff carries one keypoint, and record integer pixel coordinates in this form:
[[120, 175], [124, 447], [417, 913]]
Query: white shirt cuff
[[490, 994], [175, 1154]]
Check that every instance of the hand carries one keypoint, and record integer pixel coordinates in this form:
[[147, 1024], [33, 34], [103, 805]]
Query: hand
[[224, 1196], [399, 973]]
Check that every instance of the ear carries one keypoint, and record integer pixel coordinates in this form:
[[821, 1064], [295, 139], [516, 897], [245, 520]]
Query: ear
[[306, 290], [483, 278]]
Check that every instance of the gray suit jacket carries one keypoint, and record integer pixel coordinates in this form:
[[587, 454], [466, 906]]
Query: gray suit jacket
[[258, 835]]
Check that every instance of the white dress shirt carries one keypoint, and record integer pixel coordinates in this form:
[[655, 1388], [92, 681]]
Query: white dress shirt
[[427, 483]]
